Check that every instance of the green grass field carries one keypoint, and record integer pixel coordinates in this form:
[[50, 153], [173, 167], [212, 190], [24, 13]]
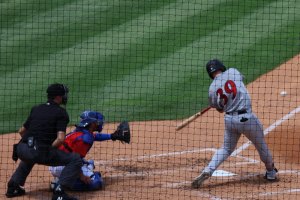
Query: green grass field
[[135, 60]]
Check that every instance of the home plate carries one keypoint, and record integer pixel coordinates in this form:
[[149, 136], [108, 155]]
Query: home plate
[[222, 173]]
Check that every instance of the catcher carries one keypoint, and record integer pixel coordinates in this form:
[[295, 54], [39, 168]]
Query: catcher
[[80, 141]]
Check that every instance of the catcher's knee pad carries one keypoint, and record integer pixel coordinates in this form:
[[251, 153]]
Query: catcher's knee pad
[[96, 183]]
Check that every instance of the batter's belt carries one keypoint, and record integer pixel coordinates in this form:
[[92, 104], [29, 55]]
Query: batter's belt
[[239, 112]]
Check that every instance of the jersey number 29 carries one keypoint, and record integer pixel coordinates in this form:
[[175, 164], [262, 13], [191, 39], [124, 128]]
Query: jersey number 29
[[230, 88]]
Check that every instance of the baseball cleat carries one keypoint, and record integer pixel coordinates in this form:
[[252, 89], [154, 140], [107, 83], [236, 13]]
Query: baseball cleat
[[271, 175], [52, 186], [200, 179], [14, 191], [59, 194], [62, 196], [53, 183]]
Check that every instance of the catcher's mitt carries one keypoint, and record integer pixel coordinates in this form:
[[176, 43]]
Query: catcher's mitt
[[122, 133]]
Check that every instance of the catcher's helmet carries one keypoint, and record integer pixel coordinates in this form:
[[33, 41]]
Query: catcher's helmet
[[88, 117], [58, 89], [213, 66]]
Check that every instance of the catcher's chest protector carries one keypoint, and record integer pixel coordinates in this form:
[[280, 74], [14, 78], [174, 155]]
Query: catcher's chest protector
[[80, 142]]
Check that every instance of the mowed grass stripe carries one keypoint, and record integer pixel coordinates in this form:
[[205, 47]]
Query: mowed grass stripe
[[88, 50], [146, 67], [47, 32], [42, 77], [36, 76], [100, 47], [185, 64], [278, 43], [178, 68], [65, 26], [157, 75], [17, 11], [33, 80]]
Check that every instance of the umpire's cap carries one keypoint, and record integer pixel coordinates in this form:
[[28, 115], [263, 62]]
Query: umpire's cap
[[88, 117], [58, 89], [213, 66]]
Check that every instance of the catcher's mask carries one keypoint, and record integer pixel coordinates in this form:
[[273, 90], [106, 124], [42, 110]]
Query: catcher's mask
[[213, 66], [88, 117], [58, 89]]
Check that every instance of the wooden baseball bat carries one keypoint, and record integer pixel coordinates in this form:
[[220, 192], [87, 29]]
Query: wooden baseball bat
[[192, 118]]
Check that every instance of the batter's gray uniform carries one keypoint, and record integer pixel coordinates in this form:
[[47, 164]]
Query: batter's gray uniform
[[227, 93]]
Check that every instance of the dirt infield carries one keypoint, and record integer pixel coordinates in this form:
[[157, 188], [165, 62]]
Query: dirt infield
[[160, 162]]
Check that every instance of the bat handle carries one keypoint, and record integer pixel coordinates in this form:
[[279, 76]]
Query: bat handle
[[192, 118]]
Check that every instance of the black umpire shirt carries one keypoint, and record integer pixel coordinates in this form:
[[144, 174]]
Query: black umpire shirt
[[44, 121]]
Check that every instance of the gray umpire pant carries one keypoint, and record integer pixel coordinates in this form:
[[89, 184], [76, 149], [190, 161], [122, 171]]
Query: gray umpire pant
[[51, 157]]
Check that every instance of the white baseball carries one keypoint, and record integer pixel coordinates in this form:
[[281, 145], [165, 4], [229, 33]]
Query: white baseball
[[283, 93]]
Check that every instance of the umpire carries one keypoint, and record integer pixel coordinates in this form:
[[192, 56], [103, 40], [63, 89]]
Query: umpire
[[43, 131]]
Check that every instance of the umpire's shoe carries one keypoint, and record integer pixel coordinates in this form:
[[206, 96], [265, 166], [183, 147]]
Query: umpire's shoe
[[59, 194], [200, 179], [14, 190]]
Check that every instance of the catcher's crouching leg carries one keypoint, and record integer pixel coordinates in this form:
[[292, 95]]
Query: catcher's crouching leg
[[97, 183]]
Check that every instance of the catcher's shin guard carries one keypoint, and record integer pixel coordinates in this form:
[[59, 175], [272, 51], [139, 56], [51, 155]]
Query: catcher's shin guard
[[97, 183], [200, 179]]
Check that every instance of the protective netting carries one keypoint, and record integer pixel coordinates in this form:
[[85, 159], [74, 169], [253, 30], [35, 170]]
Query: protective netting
[[145, 62]]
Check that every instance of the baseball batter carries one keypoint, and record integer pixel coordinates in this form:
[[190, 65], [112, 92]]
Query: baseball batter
[[228, 94]]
